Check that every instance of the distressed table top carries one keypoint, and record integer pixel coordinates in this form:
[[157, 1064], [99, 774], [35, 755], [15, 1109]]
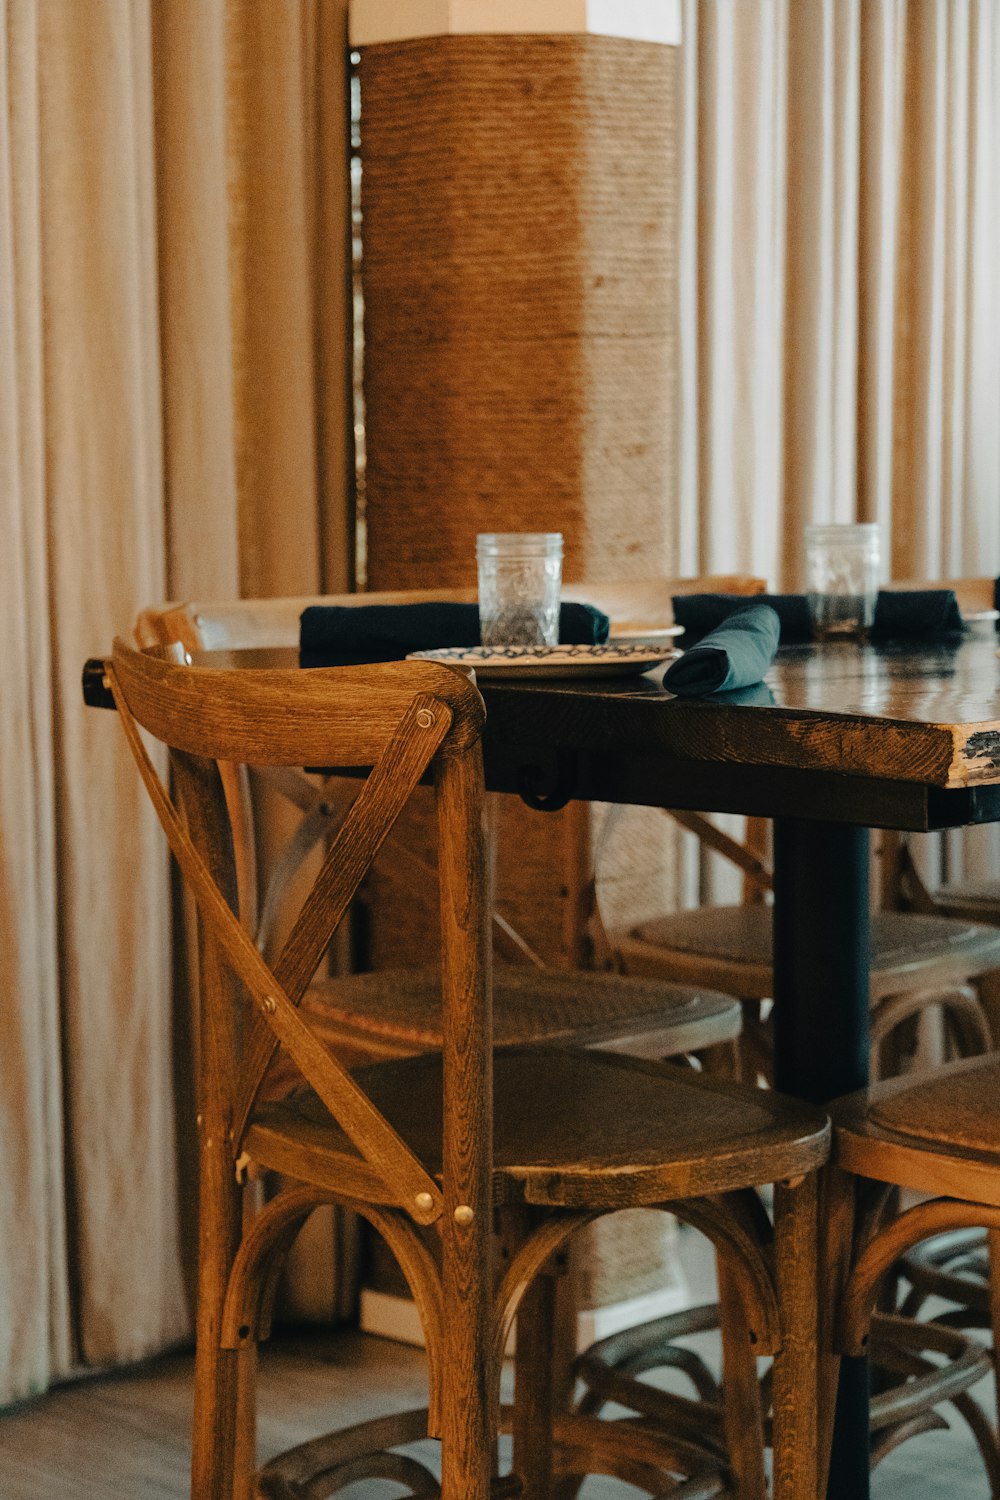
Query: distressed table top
[[927, 713], [894, 734]]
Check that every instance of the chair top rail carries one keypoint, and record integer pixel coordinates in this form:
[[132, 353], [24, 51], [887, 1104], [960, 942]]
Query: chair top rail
[[973, 594], [340, 716]]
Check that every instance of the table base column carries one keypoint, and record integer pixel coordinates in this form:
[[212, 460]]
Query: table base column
[[821, 1033]]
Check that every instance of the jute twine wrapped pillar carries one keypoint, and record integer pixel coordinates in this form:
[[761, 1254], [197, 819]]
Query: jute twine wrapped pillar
[[518, 268], [518, 202]]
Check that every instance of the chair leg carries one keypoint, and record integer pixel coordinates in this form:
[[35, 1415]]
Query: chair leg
[[795, 1234], [245, 1462], [245, 1459], [546, 1324], [837, 1197], [468, 1423], [217, 1370], [743, 1415]]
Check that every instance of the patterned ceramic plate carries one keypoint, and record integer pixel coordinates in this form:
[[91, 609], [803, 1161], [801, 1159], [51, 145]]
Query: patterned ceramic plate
[[615, 659], [636, 634]]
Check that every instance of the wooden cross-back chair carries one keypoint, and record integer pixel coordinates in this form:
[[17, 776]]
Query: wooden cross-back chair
[[930, 950], [246, 624], [919, 960], [546, 1139]]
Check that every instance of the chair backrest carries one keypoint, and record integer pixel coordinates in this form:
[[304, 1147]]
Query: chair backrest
[[238, 624], [973, 594], [400, 719]]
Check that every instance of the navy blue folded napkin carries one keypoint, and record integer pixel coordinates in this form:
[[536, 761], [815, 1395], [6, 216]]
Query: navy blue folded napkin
[[337, 635], [700, 613], [736, 655], [905, 612], [917, 612]]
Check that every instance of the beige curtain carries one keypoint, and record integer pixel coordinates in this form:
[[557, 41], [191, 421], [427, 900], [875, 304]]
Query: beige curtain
[[839, 288], [174, 253]]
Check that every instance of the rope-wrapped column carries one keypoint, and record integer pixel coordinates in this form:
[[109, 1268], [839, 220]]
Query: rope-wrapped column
[[518, 233], [519, 253]]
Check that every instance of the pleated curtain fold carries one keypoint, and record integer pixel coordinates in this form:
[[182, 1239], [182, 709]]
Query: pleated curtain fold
[[839, 219], [175, 379]]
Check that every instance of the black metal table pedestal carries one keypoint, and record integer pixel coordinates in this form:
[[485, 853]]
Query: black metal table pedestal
[[821, 1033]]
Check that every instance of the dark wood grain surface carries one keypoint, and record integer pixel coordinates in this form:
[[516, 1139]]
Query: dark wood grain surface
[[908, 711], [927, 713], [895, 735]]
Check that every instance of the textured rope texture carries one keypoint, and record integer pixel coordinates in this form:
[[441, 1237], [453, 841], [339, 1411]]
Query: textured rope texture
[[519, 246]]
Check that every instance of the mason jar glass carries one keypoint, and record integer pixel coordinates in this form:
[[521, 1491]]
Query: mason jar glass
[[520, 576], [843, 568]]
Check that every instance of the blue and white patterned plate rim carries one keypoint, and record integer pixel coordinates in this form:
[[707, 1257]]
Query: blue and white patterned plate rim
[[612, 658]]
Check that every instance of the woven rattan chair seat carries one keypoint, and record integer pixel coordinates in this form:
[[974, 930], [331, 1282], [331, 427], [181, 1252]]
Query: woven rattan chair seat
[[573, 1127], [905, 945], [529, 1005], [957, 1105]]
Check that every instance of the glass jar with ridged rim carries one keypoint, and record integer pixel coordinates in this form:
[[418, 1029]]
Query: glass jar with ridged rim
[[520, 577], [843, 568]]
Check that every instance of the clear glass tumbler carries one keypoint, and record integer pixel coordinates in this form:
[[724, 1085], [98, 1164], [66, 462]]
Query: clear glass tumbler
[[843, 567], [520, 574]]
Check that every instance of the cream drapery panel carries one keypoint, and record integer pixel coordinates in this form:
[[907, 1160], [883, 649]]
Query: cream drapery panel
[[839, 291], [174, 420]]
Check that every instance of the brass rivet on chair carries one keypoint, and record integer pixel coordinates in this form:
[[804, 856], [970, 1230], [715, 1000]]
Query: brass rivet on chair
[[424, 1202], [425, 718], [269, 1004], [464, 1214]]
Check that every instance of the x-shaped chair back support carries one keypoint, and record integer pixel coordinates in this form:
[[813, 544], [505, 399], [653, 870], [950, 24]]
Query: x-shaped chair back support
[[401, 719]]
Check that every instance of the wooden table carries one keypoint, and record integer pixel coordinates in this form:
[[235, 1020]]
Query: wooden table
[[841, 738]]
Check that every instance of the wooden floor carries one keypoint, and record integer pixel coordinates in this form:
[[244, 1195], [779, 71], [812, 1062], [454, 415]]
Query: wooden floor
[[125, 1437]]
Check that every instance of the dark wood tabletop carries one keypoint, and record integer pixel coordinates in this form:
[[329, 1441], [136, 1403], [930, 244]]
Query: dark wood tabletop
[[897, 735]]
